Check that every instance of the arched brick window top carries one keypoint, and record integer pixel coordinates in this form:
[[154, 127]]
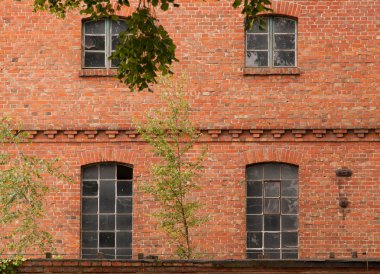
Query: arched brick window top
[[272, 211], [107, 211]]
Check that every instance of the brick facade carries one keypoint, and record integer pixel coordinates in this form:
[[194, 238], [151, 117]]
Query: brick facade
[[320, 116]]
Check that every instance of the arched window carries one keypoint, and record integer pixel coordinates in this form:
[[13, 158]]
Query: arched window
[[107, 211], [273, 46], [272, 211], [100, 38]]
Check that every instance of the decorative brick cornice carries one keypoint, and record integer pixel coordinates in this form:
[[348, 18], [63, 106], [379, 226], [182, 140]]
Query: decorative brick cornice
[[212, 134]]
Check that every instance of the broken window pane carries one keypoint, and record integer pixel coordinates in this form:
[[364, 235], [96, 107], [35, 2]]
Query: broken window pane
[[94, 43], [254, 239], [257, 58], [289, 205]]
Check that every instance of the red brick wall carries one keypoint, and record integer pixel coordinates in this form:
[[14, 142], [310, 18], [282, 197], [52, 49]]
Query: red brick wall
[[242, 116]]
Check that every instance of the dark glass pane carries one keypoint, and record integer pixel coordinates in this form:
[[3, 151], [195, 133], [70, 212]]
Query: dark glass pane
[[272, 189], [106, 239], [123, 253], [124, 205], [284, 25], [284, 41], [124, 188], [89, 239], [272, 254], [255, 172], [94, 60], [257, 59], [94, 43], [289, 222], [118, 26], [124, 222], [90, 222], [89, 253], [124, 173], [90, 188], [95, 27], [272, 206], [289, 239], [107, 222], [89, 205], [115, 63], [290, 254], [108, 253], [107, 171], [271, 240], [254, 206], [289, 188], [124, 239], [289, 205], [90, 172], [284, 58], [254, 189], [254, 222], [289, 172], [115, 41], [272, 222], [107, 197], [254, 240], [253, 254], [257, 41], [272, 171], [256, 27]]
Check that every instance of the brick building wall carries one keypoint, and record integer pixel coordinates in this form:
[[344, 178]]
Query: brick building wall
[[320, 116]]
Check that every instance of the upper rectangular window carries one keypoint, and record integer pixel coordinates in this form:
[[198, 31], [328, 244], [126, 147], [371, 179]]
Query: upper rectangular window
[[100, 38], [273, 46]]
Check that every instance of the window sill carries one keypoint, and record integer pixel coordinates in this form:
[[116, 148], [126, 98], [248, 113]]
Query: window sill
[[272, 71], [97, 72]]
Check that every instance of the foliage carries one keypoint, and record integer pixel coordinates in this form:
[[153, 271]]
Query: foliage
[[10, 266], [22, 192], [146, 47], [172, 135]]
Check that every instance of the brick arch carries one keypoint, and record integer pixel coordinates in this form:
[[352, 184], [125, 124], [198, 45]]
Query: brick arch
[[107, 155], [271, 154], [286, 8]]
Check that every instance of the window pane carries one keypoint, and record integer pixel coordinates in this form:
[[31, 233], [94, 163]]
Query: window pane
[[271, 222], [254, 189], [272, 240], [284, 58], [106, 239], [256, 27], [289, 205], [257, 59], [89, 239], [114, 42], [89, 253], [94, 60], [254, 240], [118, 26], [89, 205], [257, 41], [290, 254], [272, 171], [94, 43], [124, 205], [284, 25], [289, 222], [289, 239], [272, 189], [90, 172], [90, 222], [108, 253], [107, 222], [272, 206], [123, 253], [124, 239], [90, 188], [255, 172], [254, 222], [289, 188], [272, 254], [124, 222], [107, 171], [289, 172], [254, 254], [107, 197], [254, 206], [284, 41], [124, 188], [95, 27]]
